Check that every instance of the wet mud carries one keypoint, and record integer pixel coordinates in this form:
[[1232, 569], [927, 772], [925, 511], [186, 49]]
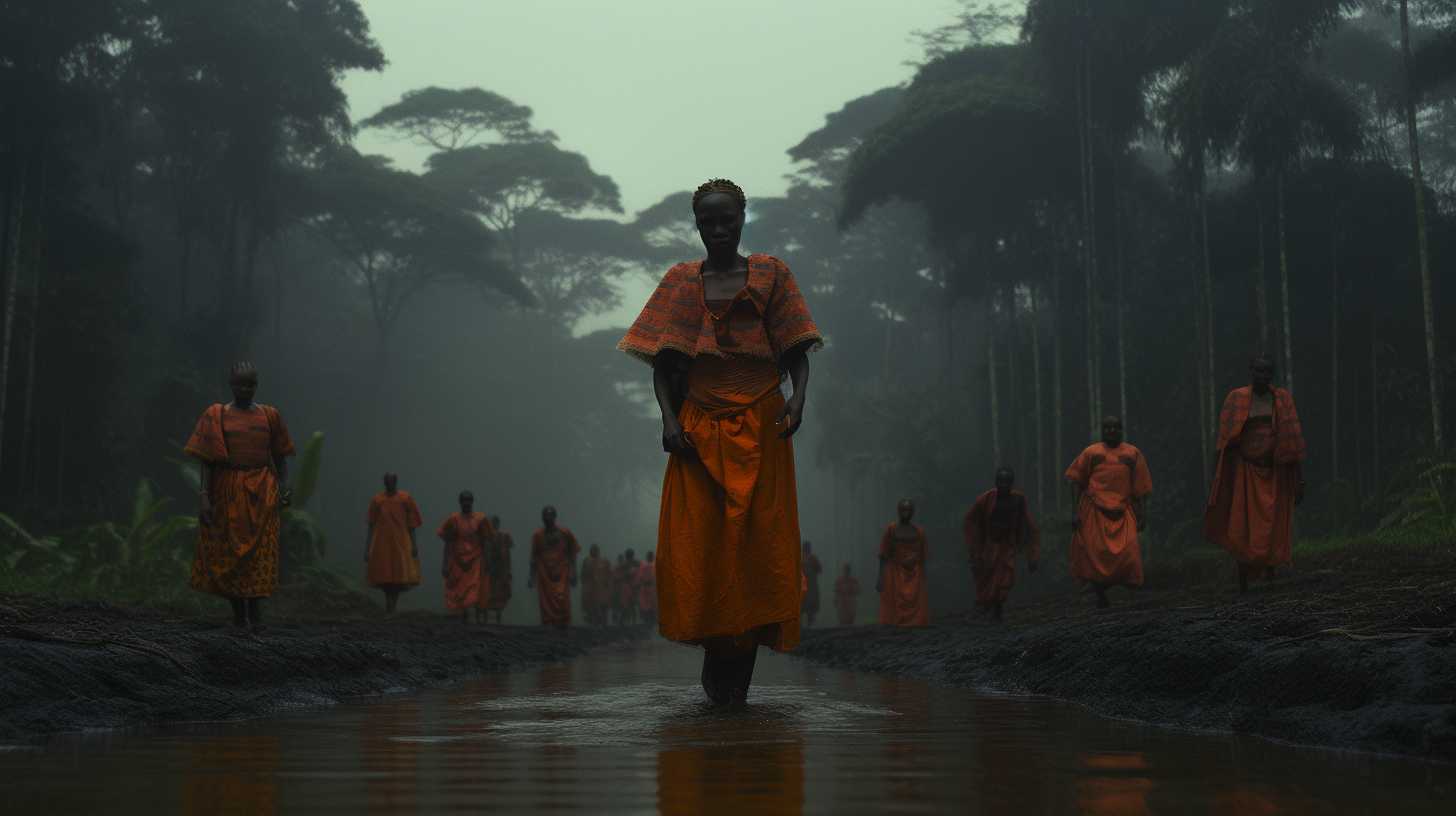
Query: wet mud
[[70, 667], [1355, 650]]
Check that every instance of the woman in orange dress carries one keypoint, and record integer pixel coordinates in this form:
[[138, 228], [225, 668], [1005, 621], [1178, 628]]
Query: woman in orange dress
[[466, 534], [391, 554], [243, 448], [721, 334]]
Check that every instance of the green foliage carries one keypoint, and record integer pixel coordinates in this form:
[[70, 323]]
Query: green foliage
[[305, 480], [1428, 506]]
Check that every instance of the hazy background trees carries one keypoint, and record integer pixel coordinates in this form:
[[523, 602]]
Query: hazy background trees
[[1074, 208]]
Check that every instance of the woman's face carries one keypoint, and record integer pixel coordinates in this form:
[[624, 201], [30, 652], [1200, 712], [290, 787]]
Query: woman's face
[[720, 223]]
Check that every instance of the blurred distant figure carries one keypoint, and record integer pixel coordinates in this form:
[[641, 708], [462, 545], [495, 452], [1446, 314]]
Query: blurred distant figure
[[390, 550], [812, 570], [553, 569], [647, 589], [846, 597], [1258, 480], [904, 591], [243, 449], [596, 587], [468, 537], [998, 526], [627, 588], [1112, 483], [498, 565], [721, 334]]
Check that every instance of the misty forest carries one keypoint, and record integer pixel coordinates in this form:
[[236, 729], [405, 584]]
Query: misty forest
[[1073, 209]]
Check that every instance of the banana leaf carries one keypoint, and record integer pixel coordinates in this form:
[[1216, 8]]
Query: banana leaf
[[309, 462]]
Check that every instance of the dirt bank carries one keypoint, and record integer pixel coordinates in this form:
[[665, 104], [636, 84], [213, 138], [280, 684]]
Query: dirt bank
[[66, 667], [1354, 650]]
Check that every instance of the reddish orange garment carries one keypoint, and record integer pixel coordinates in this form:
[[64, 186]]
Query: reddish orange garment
[[1105, 548], [846, 598], [647, 588], [993, 539], [467, 581], [237, 554], [905, 595], [392, 559], [553, 565], [596, 589], [499, 567], [1250, 508], [728, 533], [677, 318]]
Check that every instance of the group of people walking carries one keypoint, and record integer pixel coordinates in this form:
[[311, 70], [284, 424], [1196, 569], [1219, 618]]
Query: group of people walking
[[722, 335]]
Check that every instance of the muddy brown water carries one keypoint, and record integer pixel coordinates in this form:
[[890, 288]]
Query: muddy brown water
[[625, 731]]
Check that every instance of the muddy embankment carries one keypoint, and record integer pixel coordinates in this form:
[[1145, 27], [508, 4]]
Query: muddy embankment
[[1355, 650], [67, 667]]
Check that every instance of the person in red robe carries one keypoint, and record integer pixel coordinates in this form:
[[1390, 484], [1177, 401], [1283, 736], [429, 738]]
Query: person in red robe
[[812, 569], [997, 527], [904, 593], [647, 589], [722, 334], [1258, 480], [390, 550], [242, 448], [1112, 484], [627, 588], [846, 597], [596, 587], [498, 566], [553, 569], [467, 536]]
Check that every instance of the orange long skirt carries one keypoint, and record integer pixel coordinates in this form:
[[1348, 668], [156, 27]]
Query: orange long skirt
[[728, 534], [237, 555]]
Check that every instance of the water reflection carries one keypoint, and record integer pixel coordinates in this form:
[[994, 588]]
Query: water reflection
[[627, 732]]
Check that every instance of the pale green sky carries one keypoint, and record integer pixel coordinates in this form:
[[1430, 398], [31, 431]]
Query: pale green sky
[[658, 94]]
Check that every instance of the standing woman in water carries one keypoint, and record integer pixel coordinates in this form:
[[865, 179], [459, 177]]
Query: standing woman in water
[[720, 335]]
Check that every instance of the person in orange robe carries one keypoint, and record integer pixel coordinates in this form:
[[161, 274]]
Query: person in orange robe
[[999, 525], [846, 597], [553, 569], [904, 594], [1258, 480], [596, 587], [720, 335], [647, 590], [390, 551], [812, 569], [467, 536], [1112, 484], [242, 448], [498, 564], [626, 588]]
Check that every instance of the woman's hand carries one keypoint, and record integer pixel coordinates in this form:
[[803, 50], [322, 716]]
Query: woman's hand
[[791, 417], [675, 439]]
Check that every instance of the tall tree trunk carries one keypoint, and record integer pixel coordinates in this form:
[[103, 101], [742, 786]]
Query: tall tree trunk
[[1205, 387], [1120, 312], [1261, 285], [991, 383], [1418, 182], [32, 328], [1206, 287], [1335, 369], [14, 228], [1377, 483], [1040, 470], [1094, 304], [1058, 409], [1284, 291]]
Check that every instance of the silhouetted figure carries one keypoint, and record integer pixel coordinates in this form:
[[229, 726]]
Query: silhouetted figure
[[846, 597], [647, 589], [468, 537], [812, 569], [627, 588], [390, 550], [553, 569], [998, 526], [243, 449], [720, 334], [596, 587], [904, 590], [1258, 480], [1111, 483], [498, 564]]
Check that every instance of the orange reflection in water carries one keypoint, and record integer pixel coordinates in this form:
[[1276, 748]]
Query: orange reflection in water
[[1116, 789], [392, 765], [231, 775]]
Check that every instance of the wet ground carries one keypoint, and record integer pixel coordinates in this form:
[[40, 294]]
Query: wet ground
[[624, 730]]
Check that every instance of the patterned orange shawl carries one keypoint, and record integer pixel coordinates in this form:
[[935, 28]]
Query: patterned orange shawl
[[208, 444], [677, 318], [1288, 433]]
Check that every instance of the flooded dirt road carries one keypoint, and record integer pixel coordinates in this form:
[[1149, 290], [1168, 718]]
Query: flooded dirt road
[[625, 730]]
